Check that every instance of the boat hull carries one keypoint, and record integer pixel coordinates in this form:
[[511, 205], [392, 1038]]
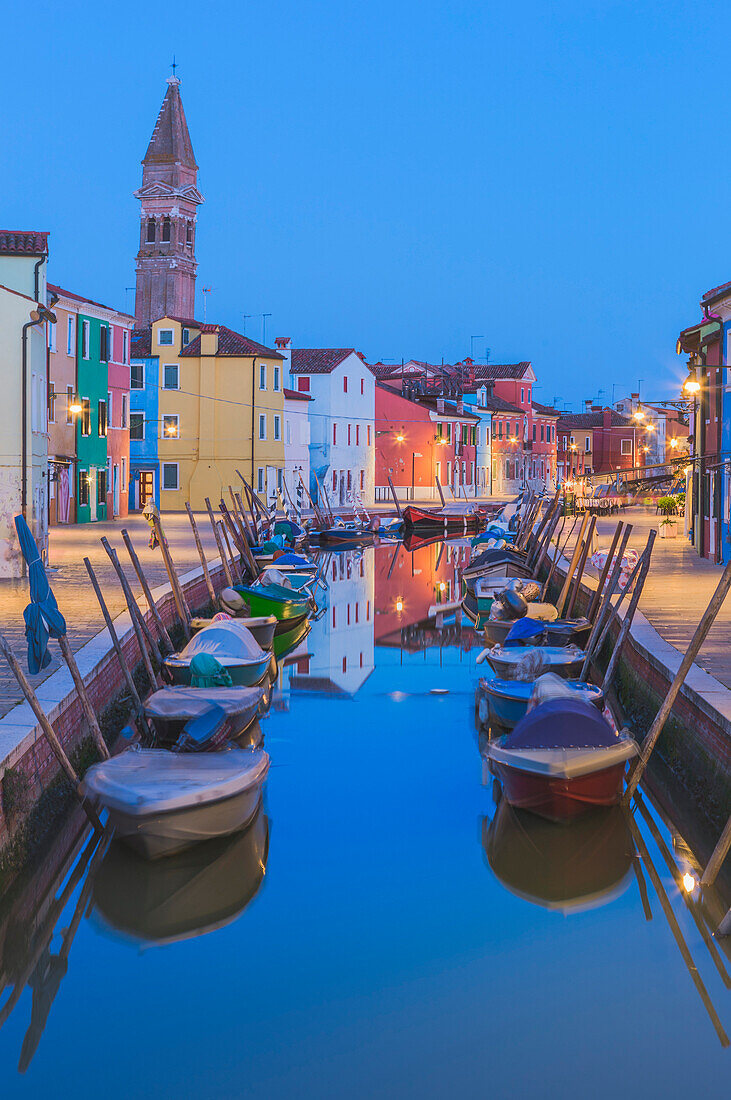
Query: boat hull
[[423, 519], [269, 605], [164, 834], [557, 798], [250, 674]]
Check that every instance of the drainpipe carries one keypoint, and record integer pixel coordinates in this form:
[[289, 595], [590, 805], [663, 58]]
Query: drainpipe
[[253, 399], [36, 277], [37, 317]]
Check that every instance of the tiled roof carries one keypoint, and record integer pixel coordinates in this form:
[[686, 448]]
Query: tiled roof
[[428, 401], [498, 404], [593, 420], [501, 370], [189, 323], [31, 242], [545, 410], [317, 360], [170, 141], [80, 298], [231, 343], [295, 395], [717, 290], [141, 342]]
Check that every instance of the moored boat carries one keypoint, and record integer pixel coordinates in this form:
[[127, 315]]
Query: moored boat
[[229, 644], [171, 709], [566, 661], [162, 802], [561, 759], [417, 519], [537, 632], [283, 603], [507, 700]]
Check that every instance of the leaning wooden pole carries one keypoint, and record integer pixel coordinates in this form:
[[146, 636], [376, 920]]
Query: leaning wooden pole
[[219, 544], [629, 614], [48, 731], [161, 628], [558, 554], [717, 856], [701, 633], [178, 596], [605, 607], [596, 597], [440, 491], [201, 555], [550, 530], [395, 498], [572, 565], [126, 672], [224, 534], [544, 524], [581, 566], [135, 615], [83, 694]]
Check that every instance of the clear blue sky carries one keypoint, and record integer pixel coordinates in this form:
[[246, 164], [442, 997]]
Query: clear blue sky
[[398, 176]]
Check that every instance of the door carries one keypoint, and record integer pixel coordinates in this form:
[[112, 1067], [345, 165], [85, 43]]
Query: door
[[147, 487], [92, 493], [271, 484], [115, 490], [713, 524]]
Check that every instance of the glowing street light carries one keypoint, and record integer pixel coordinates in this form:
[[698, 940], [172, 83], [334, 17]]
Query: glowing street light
[[75, 407], [689, 882], [399, 604], [400, 438]]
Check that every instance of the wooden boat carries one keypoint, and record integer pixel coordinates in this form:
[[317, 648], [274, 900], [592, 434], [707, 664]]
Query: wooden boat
[[497, 564], [507, 700], [162, 802], [536, 632], [429, 519], [289, 639], [561, 759], [261, 626], [171, 709], [188, 894], [565, 661], [566, 870], [283, 603], [231, 645], [346, 536]]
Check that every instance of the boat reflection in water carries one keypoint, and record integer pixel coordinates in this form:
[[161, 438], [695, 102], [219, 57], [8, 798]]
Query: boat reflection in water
[[567, 868], [197, 891]]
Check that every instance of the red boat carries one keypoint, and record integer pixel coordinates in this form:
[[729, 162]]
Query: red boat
[[441, 519], [561, 760]]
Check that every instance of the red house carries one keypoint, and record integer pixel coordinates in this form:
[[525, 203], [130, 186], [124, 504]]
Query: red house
[[598, 441]]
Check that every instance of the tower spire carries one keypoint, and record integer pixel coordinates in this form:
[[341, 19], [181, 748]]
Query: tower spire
[[169, 197]]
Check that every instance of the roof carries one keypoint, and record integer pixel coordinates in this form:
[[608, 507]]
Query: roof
[[231, 343], [170, 142], [79, 298], [545, 410], [24, 242], [296, 395], [189, 323], [594, 420], [716, 292], [498, 404], [429, 401], [141, 343], [501, 370], [317, 360]]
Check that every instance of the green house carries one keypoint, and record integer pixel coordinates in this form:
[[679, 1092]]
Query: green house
[[93, 338]]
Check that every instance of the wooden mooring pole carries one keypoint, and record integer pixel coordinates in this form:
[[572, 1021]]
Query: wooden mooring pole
[[161, 628], [201, 555]]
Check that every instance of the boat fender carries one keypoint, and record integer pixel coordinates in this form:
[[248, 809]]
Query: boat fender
[[514, 603]]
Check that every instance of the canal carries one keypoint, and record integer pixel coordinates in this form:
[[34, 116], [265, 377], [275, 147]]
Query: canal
[[386, 928]]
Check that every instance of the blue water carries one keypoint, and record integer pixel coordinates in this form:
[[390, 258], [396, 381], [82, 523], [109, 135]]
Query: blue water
[[380, 955]]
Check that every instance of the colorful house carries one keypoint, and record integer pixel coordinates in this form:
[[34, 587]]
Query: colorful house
[[62, 474], [23, 415], [144, 421], [341, 414], [296, 444], [599, 441]]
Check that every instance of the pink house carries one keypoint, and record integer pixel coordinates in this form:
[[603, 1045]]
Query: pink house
[[118, 417]]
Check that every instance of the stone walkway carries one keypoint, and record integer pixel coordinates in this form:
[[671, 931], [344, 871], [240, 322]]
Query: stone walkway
[[70, 582], [678, 589]]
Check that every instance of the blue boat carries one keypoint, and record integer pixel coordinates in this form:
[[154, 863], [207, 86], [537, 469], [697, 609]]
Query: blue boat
[[508, 699]]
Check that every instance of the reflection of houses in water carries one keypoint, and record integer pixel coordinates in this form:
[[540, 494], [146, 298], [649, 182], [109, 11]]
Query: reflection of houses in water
[[341, 641], [411, 585]]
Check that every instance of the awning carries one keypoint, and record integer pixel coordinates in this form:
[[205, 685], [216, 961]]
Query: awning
[[697, 336]]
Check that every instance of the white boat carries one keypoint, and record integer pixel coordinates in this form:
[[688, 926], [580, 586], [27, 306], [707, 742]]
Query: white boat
[[162, 802]]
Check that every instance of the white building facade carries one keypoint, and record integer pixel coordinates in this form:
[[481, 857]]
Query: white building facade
[[341, 413], [296, 444]]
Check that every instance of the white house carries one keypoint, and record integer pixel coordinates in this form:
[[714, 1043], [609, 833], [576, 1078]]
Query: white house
[[341, 415], [296, 440]]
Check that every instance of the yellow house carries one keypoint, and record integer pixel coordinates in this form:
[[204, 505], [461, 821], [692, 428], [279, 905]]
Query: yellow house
[[221, 409]]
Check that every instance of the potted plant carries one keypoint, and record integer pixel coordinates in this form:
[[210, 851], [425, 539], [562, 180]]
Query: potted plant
[[668, 527]]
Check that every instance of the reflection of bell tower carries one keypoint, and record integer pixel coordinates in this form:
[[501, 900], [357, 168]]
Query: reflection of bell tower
[[166, 263]]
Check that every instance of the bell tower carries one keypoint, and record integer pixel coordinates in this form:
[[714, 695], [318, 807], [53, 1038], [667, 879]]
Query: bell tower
[[169, 197]]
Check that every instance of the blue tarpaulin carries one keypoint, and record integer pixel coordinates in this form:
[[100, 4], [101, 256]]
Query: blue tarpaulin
[[523, 629], [42, 616]]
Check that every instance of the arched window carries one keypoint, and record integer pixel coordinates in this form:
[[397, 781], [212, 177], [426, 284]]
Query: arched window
[[189, 233], [150, 230], [166, 229]]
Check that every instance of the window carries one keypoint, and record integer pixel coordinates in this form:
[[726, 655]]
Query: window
[[362, 385], [626, 446], [166, 229], [101, 486], [104, 344], [137, 376], [277, 427], [171, 427], [51, 337], [262, 426], [123, 417], [125, 345], [262, 377], [136, 426], [69, 403], [85, 416], [84, 339], [335, 480], [186, 336], [83, 487], [189, 233], [369, 435], [542, 433], [362, 480], [500, 429], [69, 336], [303, 385], [357, 435], [280, 479], [348, 434], [276, 380], [171, 376], [124, 474], [345, 383], [522, 396], [150, 230], [165, 337], [110, 416], [170, 475], [335, 618], [587, 443], [260, 479], [534, 432], [335, 433], [102, 418]]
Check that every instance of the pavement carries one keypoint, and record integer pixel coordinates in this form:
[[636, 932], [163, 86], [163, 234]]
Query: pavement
[[69, 545]]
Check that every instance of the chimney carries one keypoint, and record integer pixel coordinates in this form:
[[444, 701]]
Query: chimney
[[440, 406], [588, 406], [283, 345], [595, 409], [209, 342], [460, 404], [635, 396]]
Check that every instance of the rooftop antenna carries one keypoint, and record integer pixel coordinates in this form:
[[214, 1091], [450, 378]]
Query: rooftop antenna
[[264, 328], [174, 65], [246, 317], [205, 291]]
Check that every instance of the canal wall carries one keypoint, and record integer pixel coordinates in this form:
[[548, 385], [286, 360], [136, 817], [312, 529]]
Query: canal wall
[[34, 794]]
